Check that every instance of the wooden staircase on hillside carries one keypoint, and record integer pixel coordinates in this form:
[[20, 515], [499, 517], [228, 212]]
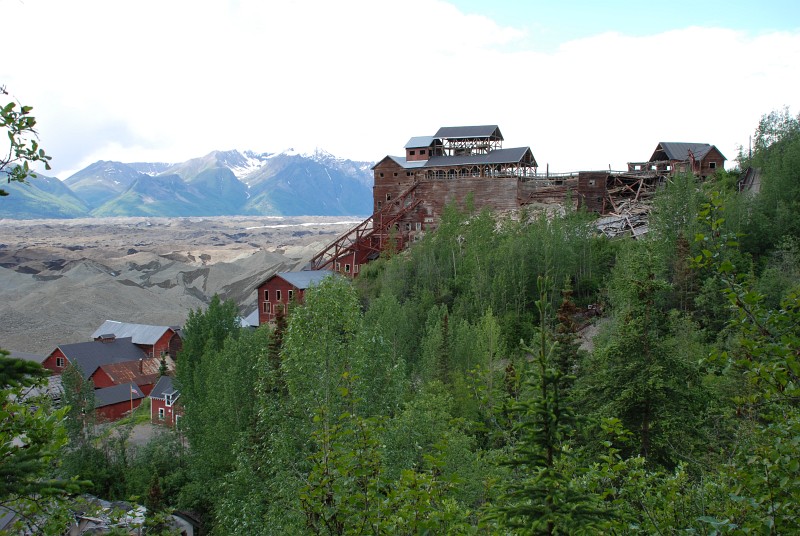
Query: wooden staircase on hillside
[[369, 238]]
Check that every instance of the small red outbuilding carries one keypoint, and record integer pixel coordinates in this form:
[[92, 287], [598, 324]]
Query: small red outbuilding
[[165, 408]]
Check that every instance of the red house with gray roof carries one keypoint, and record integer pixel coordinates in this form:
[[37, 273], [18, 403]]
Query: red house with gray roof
[[91, 355], [164, 405], [153, 340], [701, 159], [280, 290], [113, 403]]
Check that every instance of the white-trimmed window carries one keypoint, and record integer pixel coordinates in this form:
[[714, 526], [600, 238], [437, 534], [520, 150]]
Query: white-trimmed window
[[355, 268], [712, 165], [169, 399], [277, 295], [266, 307], [266, 295], [347, 268], [291, 294], [161, 414], [59, 362]]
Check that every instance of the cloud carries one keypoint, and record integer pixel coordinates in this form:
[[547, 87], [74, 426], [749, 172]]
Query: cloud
[[168, 81]]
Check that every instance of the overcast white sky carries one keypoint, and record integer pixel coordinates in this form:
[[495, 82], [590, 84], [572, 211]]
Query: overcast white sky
[[585, 84]]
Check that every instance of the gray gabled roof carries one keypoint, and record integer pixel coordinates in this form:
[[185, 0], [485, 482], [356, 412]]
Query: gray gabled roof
[[302, 279], [250, 321], [401, 160], [419, 141], [478, 131], [680, 151], [116, 394], [163, 387], [513, 155], [92, 354], [139, 333], [408, 164]]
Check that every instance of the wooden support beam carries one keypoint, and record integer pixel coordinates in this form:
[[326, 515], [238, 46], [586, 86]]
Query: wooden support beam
[[638, 190]]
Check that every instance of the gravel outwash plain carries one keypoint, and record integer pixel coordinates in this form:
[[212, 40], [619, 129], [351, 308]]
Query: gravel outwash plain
[[60, 279]]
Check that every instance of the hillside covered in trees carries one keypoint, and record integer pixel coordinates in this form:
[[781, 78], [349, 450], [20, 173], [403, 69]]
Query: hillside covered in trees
[[445, 391]]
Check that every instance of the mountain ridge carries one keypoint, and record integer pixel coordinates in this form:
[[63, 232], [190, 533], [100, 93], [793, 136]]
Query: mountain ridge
[[220, 183]]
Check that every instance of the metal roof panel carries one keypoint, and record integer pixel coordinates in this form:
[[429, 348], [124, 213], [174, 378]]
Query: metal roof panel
[[477, 131], [139, 333], [92, 354], [163, 386], [304, 279], [513, 155], [117, 394], [419, 141]]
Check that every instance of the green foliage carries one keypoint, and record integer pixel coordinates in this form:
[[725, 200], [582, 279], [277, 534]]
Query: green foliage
[[776, 154], [78, 397], [541, 497], [645, 370], [164, 456], [318, 343], [762, 474], [23, 147], [32, 439], [342, 494], [347, 492], [216, 378]]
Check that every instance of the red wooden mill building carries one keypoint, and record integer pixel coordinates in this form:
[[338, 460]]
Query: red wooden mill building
[[411, 191], [461, 163]]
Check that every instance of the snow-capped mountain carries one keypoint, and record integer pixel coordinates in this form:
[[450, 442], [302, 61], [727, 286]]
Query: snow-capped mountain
[[220, 183]]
